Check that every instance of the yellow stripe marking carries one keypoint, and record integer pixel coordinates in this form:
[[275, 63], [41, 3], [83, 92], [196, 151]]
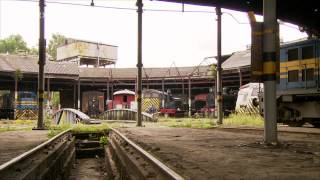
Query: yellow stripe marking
[[269, 67]]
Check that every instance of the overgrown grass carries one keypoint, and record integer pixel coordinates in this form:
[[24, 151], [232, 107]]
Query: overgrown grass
[[187, 122], [232, 120], [78, 128], [243, 120], [18, 122], [16, 125], [56, 129]]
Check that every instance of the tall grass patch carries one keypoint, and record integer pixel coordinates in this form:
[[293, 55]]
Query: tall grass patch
[[187, 122], [243, 120]]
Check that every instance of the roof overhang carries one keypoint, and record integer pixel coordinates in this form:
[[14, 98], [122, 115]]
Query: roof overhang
[[305, 14]]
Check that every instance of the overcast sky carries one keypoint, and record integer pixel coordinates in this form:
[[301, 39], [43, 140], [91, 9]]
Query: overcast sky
[[183, 38]]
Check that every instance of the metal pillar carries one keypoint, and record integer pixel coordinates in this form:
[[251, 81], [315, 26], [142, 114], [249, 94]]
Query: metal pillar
[[108, 90], [162, 100], [139, 64], [189, 96], [182, 81], [240, 77], [42, 62], [75, 100], [219, 69], [270, 27], [112, 90], [15, 96], [48, 94], [79, 94]]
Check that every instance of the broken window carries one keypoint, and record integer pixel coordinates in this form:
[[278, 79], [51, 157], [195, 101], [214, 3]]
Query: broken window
[[293, 76], [293, 54], [307, 52]]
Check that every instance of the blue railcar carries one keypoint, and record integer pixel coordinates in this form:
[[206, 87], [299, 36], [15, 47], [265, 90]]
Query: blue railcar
[[27, 100], [25, 107], [298, 91]]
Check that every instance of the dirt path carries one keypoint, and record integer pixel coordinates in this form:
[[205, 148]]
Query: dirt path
[[14, 143], [217, 154]]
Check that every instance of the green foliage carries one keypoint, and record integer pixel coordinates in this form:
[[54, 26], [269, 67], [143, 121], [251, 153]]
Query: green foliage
[[56, 40], [48, 122], [56, 129], [213, 69], [13, 44], [34, 51], [103, 140], [55, 99], [18, 74]]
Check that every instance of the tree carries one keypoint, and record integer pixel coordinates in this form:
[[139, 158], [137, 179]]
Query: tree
[[56, 40], [13, 44], [34, 51]]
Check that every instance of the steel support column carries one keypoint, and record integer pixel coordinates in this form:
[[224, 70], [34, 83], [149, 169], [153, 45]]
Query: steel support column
[[79, 94], [139, 64], [269, 70], [108, 90], [42, 62], [162, 99], [48, 94], [75, 95], [15, 96], [182, 82], [219, 69], [189, 96], [112, 90]]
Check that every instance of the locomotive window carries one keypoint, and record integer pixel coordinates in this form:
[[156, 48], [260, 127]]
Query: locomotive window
[[310, 74], [293, 76], [293, 54], [307, 52], [125, 98]]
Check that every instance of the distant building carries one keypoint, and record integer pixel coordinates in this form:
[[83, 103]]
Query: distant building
[[87, 53]]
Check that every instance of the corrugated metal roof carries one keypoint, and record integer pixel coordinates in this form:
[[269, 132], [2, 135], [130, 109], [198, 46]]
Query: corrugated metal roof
[[29, 64], [124, 73], [238, 60]]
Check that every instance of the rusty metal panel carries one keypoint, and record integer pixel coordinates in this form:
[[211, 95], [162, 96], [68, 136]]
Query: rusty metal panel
[[87, 50], [256, 52], [90, 99]]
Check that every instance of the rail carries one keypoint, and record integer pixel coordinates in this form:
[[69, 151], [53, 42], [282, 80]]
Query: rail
[[138, 163], [58, 149]]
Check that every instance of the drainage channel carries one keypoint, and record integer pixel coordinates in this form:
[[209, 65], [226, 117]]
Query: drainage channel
[[90, 157], [81, 156]]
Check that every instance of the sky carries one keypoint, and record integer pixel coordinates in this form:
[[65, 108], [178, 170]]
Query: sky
[[184, 38]]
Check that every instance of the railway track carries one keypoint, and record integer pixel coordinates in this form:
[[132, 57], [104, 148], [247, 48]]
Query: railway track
[[132, 162], [52, 159]]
